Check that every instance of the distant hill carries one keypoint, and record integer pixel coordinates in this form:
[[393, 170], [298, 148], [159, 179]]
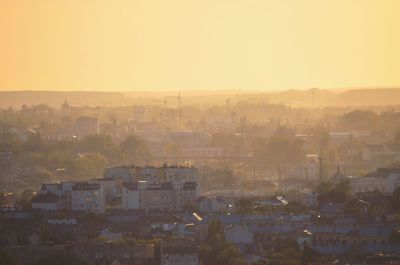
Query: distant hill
[[384, 96], [296, 98], [56, 98]]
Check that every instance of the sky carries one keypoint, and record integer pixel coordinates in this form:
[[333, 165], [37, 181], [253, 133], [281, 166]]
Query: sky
[[198, 44]]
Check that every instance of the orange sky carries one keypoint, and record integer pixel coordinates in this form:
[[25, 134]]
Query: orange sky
[[198, 44]]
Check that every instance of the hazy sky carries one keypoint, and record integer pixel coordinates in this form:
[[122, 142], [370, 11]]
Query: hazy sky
[[196, 44]]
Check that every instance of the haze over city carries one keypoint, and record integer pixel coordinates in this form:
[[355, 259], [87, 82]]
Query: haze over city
[[199, 132]]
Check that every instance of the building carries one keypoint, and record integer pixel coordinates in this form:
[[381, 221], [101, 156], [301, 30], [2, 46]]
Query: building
[[360, 185], [179, 255], [381, 152], [123, 173], [130, 196], [310, 200], [108, 185], [239, 234], [87, 197], [385, 180], [7, 163], [215, 204], [158, 196], [172, 173], [47, 202], [85, 126], [141, 114], [189, 139], [55, 188], [151, 174]]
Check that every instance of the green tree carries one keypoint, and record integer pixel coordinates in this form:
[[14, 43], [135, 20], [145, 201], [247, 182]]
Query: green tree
[[216, 250], [96, 143], [24, 198], [135, 149], [59, 259], [215, 228], [3, 199], [245, 206], [6, 258], [395, 200], [279, 150], [360, 120], [335, 193]]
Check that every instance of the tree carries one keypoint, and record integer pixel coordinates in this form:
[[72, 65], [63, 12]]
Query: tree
[[360, 119], [3, 199], [190, 207], [335, 193], [394, 237], [215, 227], [96, 143], [60, 259], [396, 138], [245, 206], [279, 149], [395, 200], [216, 250], [24, 198], [89, 165], [135, 149], [6, 258], [172, 149]]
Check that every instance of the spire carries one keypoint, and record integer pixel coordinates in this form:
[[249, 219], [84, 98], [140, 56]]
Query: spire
[[65, 105]]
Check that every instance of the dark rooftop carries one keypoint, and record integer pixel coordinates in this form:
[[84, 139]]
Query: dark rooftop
[[45, 198]]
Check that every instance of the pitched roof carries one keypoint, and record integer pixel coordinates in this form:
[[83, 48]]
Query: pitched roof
[[48, 197], [130, 185]]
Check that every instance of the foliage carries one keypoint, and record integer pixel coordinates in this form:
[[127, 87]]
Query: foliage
[[360, 119], [24, 198], [216, 250], [245, 206], [3, 199], [294, 207], [172, 149], [59, 259], [279, 150], [135, 149], [333, 193], [190, 207], [395, 200], [6, 258], [394, 237], [90, 218]]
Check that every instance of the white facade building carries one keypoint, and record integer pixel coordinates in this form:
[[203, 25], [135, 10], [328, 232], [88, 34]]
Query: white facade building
[[359, 185], [130, 196], [88, 197], [384, 184], [85, 126]]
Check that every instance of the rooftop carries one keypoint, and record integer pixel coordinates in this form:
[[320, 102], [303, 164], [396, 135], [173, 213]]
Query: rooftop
[[86, 186], [48, 197]]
